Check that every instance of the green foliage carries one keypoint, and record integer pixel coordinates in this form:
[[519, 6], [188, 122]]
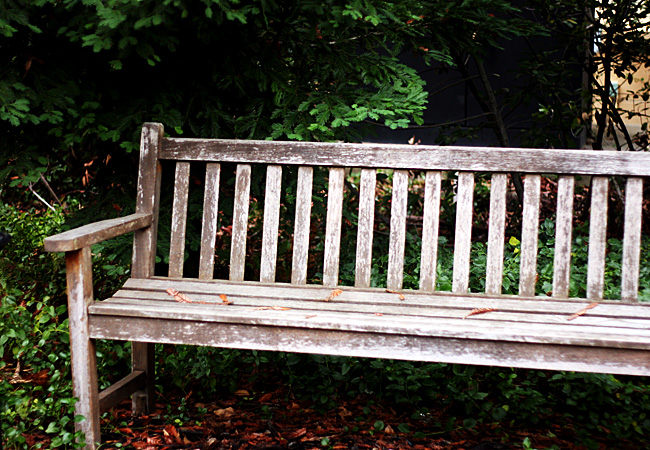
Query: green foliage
[[607, 42], [79, 78], [34, 357], [35, 387]]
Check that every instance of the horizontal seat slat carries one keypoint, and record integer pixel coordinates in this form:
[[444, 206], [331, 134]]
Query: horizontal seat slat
[[350, 294], [133, 299], [552, 334]]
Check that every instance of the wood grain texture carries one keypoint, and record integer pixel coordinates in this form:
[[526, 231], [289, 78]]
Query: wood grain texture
[[597, 238], [463, 234], [632, 238], [363, 264], [240, 222], [333, 226], [94, 233], [179, 220], [397, 240], [418, 348], [155, 288], [82, 347], [529, 233], [414, 314], [470, 159], [147, 200], [563, 236], [143, 360], [430, 228], [209, 221], [496, 233], [271, 223], [302, 225]]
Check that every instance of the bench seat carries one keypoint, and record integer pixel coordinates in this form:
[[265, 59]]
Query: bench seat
[[352, 321]]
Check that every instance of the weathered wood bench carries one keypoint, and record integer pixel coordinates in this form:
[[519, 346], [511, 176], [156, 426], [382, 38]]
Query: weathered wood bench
[[524, 330]]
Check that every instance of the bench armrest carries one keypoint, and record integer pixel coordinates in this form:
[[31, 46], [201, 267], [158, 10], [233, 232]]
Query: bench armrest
[[93, 233]]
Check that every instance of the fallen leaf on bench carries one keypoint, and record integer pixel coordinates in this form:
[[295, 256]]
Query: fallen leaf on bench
[[479, 311], [224, 299], [310, 316], [401, 296], [181, 298], [335, 293], [379, 314], [583, 311], [275, 308]]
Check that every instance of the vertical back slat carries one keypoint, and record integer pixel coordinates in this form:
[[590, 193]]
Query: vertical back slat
[[179, 220], [597, 238], [302, 223], [430, 223], [333, 226], [240, 222], [147, 201], [632, 238], [271, 223], [563, 235], [463, 237], [397, 229], [366, 226], [496, 233], [209, 223], [529, 232]]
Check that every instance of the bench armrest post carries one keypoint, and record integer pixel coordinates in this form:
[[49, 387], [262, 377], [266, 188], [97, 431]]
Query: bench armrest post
[[82, 348]]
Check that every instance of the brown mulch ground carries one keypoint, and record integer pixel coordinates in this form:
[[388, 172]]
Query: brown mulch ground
[[271, 421]]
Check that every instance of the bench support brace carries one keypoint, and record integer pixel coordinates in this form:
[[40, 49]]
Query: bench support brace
[[121, 390]]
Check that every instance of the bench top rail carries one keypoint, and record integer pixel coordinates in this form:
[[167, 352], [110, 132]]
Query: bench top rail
[[395, 156]]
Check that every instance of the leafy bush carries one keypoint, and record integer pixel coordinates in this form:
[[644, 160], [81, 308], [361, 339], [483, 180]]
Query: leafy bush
[[35, 381], [34, 365]]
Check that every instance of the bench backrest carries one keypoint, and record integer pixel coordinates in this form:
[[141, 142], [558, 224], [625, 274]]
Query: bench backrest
[[467, 165]]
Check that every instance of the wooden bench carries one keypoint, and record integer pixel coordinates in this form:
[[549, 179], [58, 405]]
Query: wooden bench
[[524, 330]]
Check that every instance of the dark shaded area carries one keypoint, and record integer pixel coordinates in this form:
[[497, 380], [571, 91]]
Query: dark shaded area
[[5, 238]]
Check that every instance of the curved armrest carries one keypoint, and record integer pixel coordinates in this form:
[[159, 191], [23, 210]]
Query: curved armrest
[[96, 232]]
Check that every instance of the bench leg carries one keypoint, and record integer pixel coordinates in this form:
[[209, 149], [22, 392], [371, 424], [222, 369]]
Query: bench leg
[[142, 358], [82, 348]]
